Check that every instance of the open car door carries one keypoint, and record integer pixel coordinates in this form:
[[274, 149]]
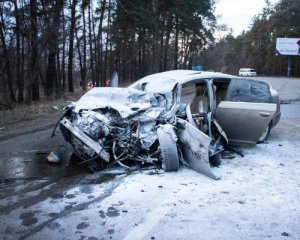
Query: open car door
[[246, 112], [195, 148]]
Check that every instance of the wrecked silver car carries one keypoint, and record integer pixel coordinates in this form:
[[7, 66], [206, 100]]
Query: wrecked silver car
[[171, 117]]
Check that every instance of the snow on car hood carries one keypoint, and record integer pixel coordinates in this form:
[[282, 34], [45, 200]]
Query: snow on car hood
[[126, 101]]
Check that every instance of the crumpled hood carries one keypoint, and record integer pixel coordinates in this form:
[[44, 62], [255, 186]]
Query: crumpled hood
[[126, 101]]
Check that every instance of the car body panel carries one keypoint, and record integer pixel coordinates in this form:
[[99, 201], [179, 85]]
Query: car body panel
[[195, 148], [275, 119], [244, 122]]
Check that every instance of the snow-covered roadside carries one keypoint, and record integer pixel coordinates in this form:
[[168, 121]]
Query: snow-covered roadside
[[256, 198]]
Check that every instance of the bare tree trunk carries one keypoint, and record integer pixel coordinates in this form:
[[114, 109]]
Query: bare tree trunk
[[58, 68], [51, 74], [99, 41], [57, 23], [176, 44], [71, 47], [95, 43], [7, 62], [84, 49], [80, 60], [53, 47], [33, 91], [111, 61], [18, 64], [168, 32], [186, 52], [161, 51], [91, 44], [23, 64], [143, 72], [64, 54], [105, 72], [134, 67], [140, 53], [162, 32]]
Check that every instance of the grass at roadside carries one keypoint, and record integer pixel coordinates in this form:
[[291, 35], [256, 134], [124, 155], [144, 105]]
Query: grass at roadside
[[25, 117]]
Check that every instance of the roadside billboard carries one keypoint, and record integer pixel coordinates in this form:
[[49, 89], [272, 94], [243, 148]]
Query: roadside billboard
[[287, 46]]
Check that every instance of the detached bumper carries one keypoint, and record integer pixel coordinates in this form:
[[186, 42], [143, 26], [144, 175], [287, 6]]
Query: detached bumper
[[85, 139]]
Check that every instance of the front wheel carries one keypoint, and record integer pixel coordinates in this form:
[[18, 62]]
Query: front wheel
[[265, 134], [169, 153], [215, 160]]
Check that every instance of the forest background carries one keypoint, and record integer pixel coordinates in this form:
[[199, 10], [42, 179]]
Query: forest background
[[50, 48]]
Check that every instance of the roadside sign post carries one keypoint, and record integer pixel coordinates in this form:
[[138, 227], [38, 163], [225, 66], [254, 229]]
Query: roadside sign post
[[289, 71]]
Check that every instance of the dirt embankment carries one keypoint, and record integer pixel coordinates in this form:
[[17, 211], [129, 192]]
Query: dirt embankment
[[24, 118]]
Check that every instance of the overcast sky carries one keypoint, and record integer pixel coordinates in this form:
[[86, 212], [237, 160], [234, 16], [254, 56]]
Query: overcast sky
[[237, 14]]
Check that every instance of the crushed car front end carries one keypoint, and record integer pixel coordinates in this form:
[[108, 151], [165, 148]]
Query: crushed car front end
[[113, 124]]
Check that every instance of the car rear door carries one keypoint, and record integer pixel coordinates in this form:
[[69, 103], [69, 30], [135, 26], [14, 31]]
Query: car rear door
[[246, 112]]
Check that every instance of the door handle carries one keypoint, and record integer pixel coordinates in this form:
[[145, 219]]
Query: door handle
[[264, 114]]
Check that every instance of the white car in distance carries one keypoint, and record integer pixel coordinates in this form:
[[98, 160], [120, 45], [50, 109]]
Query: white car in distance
[[247, 72]]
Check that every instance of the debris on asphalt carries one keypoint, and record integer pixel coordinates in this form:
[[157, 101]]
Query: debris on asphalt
[[53, 158], [285, 234]]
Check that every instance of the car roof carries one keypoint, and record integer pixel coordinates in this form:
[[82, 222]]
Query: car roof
[[166, 81], [246, 69], [182, 76]]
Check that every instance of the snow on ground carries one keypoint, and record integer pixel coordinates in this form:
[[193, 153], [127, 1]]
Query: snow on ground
[[256, 198]]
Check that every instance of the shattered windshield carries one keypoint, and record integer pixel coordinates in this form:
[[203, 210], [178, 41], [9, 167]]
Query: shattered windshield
[[164, 89], [124, 100]]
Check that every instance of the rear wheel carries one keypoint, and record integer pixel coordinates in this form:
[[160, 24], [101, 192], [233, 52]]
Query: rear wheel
[[265, 134], [169, 153]]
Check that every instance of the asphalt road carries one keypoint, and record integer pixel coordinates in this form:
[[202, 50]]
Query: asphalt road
[[256, 198]]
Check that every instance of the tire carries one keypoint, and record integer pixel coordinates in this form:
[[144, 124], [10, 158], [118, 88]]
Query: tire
[[215, 160], [265, 134], [169, 153]]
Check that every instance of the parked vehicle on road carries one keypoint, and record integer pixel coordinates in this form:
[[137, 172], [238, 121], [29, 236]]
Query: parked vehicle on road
[[171, 117], [247, 72]]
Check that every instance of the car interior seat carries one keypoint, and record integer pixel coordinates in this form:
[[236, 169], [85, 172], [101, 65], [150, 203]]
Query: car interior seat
[[200, 101]]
